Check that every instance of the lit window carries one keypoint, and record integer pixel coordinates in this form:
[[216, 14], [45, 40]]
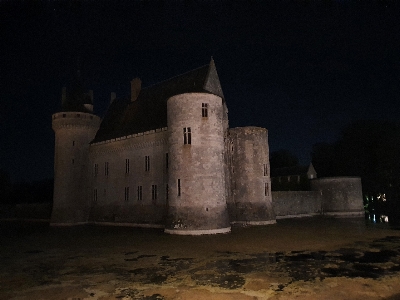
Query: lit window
[[187, 136]]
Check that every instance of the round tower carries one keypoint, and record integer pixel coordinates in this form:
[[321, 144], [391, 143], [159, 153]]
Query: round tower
[[75, 127], [341, 196], [73, 133], [251, 201], [197, 194]]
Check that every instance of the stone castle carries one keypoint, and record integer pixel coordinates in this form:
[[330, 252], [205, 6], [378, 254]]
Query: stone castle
[[166, 157]]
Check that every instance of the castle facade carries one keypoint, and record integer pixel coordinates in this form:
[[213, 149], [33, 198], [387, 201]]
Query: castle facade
[[163, 157]]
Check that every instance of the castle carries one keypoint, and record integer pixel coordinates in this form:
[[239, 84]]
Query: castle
[[164, 157]]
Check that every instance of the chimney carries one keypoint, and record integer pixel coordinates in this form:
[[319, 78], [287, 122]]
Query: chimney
[[136, 85], [113, 96]]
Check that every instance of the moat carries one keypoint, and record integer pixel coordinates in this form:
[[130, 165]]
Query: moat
[[308, 258]]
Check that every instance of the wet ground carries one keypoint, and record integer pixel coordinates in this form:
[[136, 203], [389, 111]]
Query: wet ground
[[309, 258]]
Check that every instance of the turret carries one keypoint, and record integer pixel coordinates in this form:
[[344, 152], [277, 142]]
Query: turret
[[74, 127], [197, 191], [251, 201]]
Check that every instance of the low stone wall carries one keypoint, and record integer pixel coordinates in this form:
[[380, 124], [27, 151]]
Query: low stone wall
[[341, 196], [291, 204]]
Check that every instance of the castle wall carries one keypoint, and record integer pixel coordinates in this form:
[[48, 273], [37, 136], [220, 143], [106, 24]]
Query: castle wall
[[251, 200], [73, 133], [292, 204], [129, 178], [340, 195], [197, 203]]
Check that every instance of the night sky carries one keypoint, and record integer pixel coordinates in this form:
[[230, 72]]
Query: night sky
[[301, 69]]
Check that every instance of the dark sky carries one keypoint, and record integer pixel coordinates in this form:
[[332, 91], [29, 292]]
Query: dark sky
[[302, 69]]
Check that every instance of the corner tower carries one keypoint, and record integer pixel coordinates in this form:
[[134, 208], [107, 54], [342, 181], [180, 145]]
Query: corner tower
[[74, 128], [196, 129], [251, 201]]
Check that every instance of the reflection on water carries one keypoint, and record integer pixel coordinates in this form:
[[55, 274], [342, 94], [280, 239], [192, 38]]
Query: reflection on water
[[374, 218], [391, 220]]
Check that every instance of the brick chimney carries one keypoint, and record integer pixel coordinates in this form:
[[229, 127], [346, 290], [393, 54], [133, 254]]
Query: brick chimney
[[136, 85]]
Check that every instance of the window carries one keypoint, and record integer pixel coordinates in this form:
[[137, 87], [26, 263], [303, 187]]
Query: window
[[266, 189], [127, 193], [106, 168], [204, 110], [187, 136], [147, 163], [179, 187], [166, 161], [265, 169], [166, 191], [64, 115], [78, 115], [96, 169], [95, 195], [73, 143], [139, 193], [154, 192], [127, 166], [73, 161]]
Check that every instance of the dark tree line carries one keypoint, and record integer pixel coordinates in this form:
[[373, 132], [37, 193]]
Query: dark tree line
[[370, 150]]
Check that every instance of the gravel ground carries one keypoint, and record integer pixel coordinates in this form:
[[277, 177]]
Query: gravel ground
[[308, 258]]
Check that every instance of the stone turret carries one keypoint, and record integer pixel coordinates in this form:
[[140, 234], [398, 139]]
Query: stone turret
[[197, 197], [251, 201], [197, 190], [74, 128]]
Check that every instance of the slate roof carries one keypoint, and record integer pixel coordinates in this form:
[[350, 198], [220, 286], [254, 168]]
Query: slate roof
[[149, 110]]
